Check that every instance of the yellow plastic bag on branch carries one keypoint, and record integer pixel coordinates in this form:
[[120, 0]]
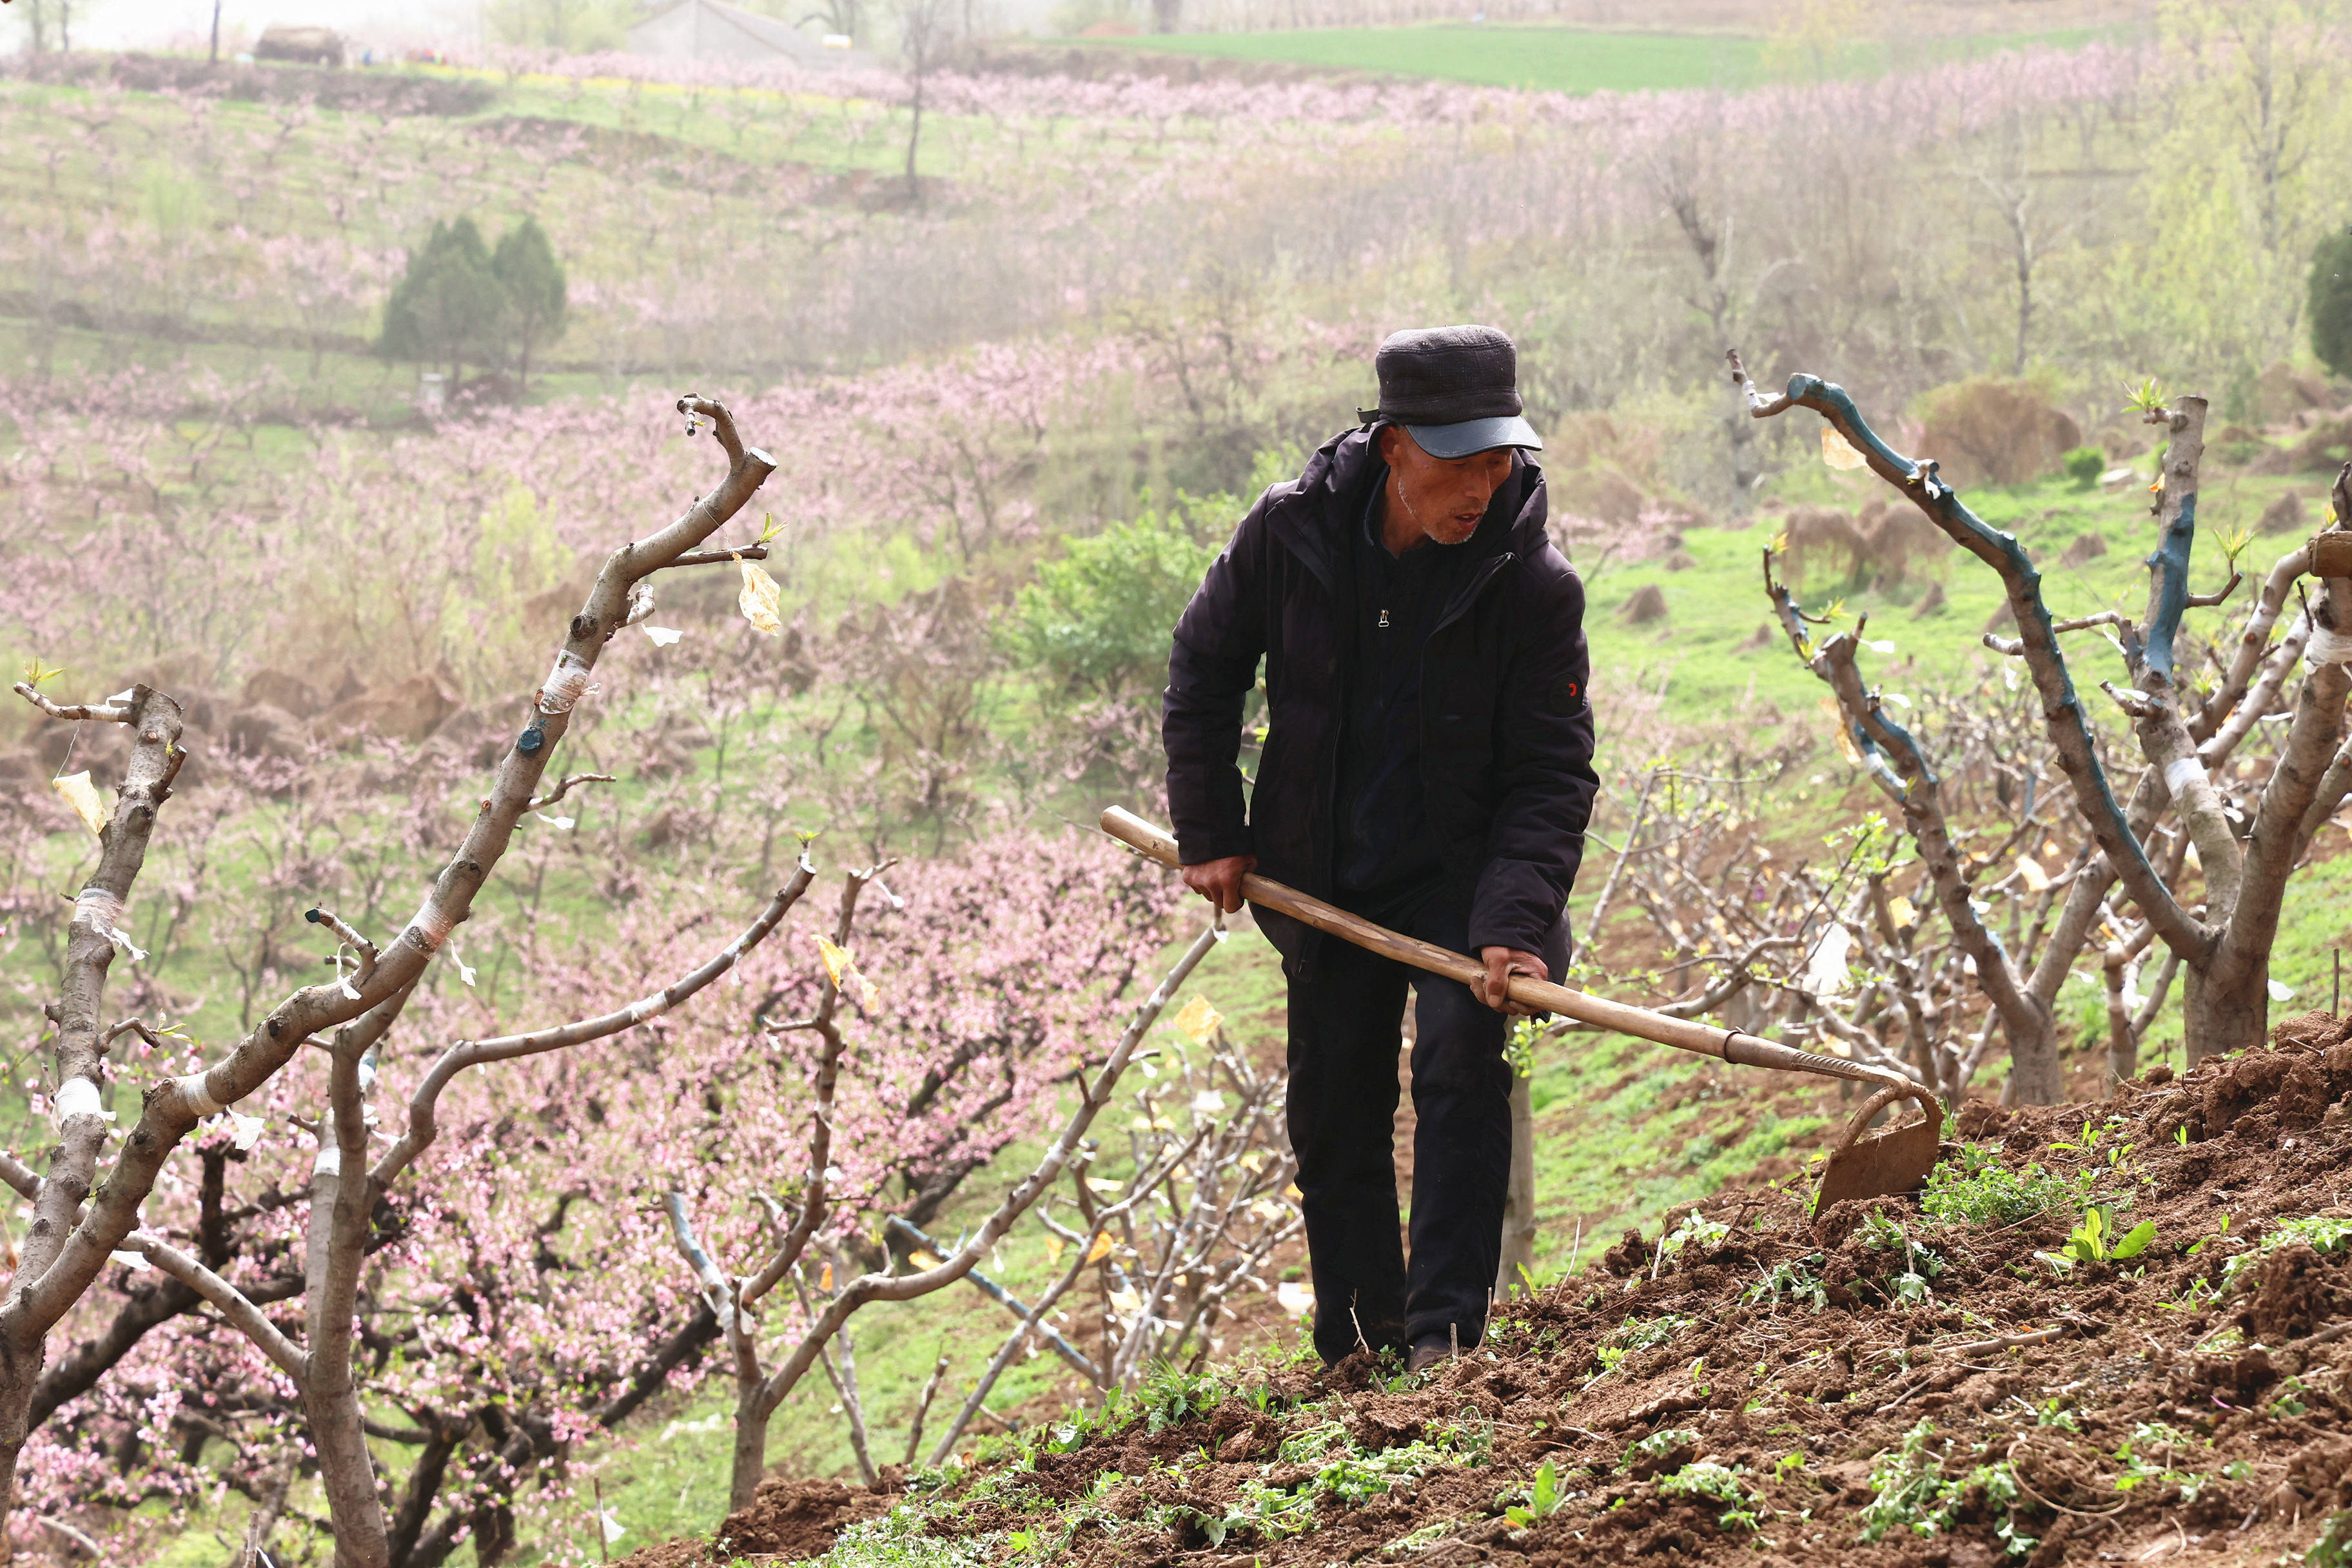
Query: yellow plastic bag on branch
[[1199, 1020], [83, 798], [760, 601]]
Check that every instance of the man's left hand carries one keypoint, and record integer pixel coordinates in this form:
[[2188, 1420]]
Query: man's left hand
[[1502, 962]]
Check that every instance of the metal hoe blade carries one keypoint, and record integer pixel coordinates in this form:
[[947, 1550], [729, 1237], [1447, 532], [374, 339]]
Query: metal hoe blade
[[1889, 1164]]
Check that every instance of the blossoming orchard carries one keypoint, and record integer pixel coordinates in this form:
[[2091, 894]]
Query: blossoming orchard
[[574, 611]]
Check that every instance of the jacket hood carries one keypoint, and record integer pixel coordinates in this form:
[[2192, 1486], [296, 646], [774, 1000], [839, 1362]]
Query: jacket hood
[[1328, 498]]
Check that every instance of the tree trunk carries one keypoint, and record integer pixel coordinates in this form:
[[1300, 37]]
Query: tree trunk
[[2220, 1013], [2035, 1075], [1517, 1269], [216, 53], [2024, 302], [750, 1447], [914, 140], [338, 1238], [20, 1369], [347, 1471]]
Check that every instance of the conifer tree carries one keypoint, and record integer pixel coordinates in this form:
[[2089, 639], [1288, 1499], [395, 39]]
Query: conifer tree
[[2331, 302], [448, 310], [525, 268]]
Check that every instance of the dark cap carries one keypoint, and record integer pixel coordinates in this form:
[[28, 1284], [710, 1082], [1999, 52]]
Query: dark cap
[[1455, 389]]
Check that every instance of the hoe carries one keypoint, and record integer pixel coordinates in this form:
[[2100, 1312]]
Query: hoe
[[1884, 1165]]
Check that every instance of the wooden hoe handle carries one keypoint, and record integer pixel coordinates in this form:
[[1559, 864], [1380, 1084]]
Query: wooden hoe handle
[[1724, 1045]]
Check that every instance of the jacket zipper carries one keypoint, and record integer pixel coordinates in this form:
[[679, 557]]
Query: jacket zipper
[[1469, 594]]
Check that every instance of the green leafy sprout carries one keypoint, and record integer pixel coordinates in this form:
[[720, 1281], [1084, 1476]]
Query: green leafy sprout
[[2094, 1240], [1796, 1277], [1920, 1264], [1544, 1495]]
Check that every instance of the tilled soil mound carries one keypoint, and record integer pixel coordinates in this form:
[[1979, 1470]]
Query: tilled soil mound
[[2114, 1332]]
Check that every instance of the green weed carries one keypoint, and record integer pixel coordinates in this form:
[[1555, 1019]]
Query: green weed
[[1348, 1476], [1975, 1188], [1169, 1395], [2202, 1242], [1796, 1277], [1711, 1482], [2333, 1548], [897, 1541], [1920, 1263], [2160, 1438], [1637, 1334], [1660, 1443], [2323, 1234], [1422, 1540], [1693, 1229], [1910, 1493]]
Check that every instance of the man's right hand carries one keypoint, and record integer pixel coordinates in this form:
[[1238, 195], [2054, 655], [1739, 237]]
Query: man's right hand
[[1220, 881]]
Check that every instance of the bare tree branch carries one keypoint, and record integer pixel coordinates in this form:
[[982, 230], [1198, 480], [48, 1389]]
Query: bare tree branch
[[109, 713], [227, 1298], [561, 789], [421, 1127], [2069, 728]]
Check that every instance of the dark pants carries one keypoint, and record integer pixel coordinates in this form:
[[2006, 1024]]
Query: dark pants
[[1346, 1016]]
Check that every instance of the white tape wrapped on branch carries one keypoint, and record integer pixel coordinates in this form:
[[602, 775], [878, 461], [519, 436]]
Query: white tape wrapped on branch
[[78, 1098], [100, 908], [104, 913], [431, 927], [2182, 774], [564, 685], [330, 1162], [2328, 647], [196, 1097]]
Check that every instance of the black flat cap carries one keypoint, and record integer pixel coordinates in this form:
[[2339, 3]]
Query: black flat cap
[[1455, 389]]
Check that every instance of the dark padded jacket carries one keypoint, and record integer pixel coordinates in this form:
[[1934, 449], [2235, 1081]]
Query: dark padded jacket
[[1506, 725]]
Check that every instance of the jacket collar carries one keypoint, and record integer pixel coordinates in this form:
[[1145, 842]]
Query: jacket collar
[[1313, 519]]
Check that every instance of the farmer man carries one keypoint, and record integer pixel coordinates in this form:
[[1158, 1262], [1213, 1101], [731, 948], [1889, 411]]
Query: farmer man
[[1428, 765]]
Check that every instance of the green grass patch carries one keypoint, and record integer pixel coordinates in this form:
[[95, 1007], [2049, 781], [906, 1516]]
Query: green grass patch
[[1563, 59]]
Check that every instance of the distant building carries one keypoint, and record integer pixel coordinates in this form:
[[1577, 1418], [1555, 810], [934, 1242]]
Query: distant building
[[708, 30]]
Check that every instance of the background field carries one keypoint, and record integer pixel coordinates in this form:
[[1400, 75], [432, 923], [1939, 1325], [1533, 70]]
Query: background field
[[1571, 60]]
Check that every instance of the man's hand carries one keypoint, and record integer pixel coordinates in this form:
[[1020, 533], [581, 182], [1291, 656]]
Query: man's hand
[[1220, 881], [1502, 962]]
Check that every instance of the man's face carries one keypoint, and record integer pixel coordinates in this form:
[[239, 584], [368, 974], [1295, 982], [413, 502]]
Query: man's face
[[1443, 497]]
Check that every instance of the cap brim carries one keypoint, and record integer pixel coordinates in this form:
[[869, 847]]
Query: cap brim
[[1475, 435]]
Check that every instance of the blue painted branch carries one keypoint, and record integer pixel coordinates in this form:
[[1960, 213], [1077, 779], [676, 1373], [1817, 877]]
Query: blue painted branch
[[1079, 1361], [2167, 589], [2067, 723], [1793, 620]]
